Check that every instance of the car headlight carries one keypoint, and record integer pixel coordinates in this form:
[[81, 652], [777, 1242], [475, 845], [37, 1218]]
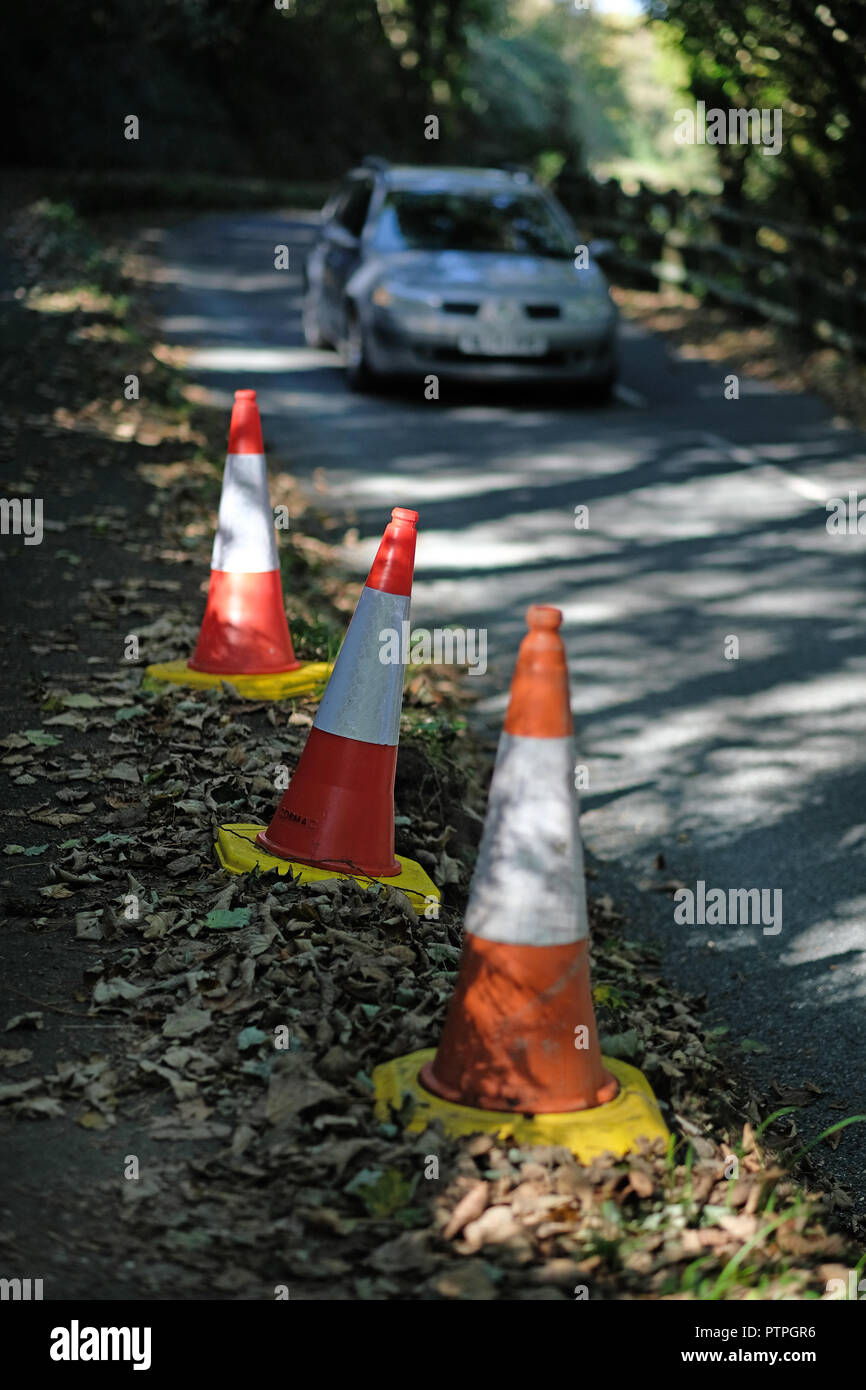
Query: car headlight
[[397, 296]]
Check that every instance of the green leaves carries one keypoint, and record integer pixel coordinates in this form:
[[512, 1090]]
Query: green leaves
[[82, 701], [226, 918], [626, 1047], [130, 712], [39, 739], [383, 1192]]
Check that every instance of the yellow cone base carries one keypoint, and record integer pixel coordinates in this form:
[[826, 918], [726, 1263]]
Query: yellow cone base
[[281, 685], [613, 1128], [237, 851]]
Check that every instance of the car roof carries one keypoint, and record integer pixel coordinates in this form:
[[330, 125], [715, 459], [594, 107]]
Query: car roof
[[419, 176]]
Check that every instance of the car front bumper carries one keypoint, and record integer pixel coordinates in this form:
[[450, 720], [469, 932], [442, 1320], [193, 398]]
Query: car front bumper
[[434, 345]]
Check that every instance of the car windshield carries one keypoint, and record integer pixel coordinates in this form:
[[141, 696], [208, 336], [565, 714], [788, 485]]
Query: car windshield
[[498, 220]]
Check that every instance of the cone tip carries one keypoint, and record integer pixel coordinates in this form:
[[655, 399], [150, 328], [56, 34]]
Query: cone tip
[[539, 705], [541, 617], [245, 430], [395, 559]]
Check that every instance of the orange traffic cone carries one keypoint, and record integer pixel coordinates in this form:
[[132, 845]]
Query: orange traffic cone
[[519, 1052], [337, 816], [244, 637]]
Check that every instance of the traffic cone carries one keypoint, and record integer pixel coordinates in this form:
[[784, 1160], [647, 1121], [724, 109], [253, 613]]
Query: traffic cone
[[244, 637], [519, 1053], [337, 815]]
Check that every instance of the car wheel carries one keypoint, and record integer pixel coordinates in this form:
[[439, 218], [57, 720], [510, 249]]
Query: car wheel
[[313, 336], [359, 376]]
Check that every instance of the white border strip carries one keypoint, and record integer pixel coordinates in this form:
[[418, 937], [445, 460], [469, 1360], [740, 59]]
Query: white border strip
[[245, 542]]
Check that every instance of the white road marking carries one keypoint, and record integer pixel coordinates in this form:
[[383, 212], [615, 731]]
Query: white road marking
[[630, 397], [796, 482]]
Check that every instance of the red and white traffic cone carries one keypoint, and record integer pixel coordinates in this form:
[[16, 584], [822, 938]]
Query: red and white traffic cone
[[244, 637], [337, 815], [519, 1052]]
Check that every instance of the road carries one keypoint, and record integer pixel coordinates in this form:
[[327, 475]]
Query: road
[[706, 521]]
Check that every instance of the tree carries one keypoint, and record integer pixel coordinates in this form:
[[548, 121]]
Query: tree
[[807, 60]]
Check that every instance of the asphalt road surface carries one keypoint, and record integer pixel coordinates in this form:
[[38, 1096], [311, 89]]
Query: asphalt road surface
[[707, 521]]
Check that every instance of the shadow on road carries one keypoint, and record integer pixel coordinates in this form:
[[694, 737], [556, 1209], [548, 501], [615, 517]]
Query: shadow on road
[[742, 761]]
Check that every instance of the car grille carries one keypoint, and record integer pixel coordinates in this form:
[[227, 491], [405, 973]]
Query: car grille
[[532, 311], [542, 311]]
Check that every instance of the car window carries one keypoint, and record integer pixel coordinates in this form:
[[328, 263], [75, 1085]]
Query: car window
[[351, 211], [500, 220]]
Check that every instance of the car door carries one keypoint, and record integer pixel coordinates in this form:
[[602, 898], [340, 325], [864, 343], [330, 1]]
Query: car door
[[342, 249]]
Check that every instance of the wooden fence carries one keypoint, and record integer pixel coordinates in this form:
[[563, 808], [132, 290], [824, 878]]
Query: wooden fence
[[811, 279]]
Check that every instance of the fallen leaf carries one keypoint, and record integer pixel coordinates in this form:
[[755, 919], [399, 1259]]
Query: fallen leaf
[[106, 991], [88, 926], [13, 1090], [123, 772], [42, 1105], [37, 738], [187, 1022], [293, 1088], [92, 1119], [14, 1056], [36, 1019], [410, 1252], [495, 1226], [469, 1208], [642, 1183], [467, 1282], [224, 918]]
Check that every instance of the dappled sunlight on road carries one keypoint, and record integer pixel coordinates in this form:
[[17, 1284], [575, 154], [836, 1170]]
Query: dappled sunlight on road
[[258, 359], [706, 523]]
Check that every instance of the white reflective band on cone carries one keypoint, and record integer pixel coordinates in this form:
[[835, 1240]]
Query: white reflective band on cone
[[528, 888], [364, 697], [245, 542]]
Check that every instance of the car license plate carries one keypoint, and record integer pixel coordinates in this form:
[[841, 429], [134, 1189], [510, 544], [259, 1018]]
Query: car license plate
[[501, 345]]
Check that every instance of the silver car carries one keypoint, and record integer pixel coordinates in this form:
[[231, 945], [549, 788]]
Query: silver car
[[473, 273]]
